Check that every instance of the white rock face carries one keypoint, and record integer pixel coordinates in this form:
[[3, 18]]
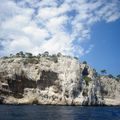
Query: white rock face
[[110, 90], [51, 80]]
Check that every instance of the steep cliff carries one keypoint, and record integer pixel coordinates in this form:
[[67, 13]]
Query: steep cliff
[[59, 80], [110, 89]]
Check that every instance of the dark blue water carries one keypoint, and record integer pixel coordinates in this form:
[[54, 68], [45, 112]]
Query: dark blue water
[[37, 112]]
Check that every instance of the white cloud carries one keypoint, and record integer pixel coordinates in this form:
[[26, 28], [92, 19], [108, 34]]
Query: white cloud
[[20, 42], [35, 33], [59, 42], [56, 24], [52, 25], [15, 23], [49, 12]]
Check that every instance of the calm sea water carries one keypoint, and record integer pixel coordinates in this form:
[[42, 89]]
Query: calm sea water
[[37, 112]]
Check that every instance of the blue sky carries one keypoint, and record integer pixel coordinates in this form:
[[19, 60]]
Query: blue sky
[[106, 51], [88, 29]]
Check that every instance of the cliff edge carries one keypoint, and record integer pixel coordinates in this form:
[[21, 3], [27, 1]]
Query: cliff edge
[[55, 80]]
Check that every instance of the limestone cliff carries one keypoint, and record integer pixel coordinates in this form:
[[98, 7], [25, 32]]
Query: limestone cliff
[[56, 80]]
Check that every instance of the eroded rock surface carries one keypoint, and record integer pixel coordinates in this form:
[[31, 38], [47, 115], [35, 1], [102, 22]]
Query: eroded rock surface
[[64, 81]]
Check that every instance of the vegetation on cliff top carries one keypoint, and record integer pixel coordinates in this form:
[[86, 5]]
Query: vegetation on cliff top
[[46, 54], [30, 58]]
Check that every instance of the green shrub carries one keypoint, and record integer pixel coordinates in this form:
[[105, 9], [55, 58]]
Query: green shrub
[[45, 54], [54, 58], [118, 77], [59, 54], [110, 76], [103, 72], [87, 80], [85, 62], [28, 55], [5, 57], [76, 58], [31, 60]]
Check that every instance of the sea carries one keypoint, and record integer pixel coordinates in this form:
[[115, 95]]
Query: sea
[[42, 112]]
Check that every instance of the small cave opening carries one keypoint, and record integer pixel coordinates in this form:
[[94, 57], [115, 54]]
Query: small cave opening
[[47, 79], [85, 71], [18, 83], [35, 102]]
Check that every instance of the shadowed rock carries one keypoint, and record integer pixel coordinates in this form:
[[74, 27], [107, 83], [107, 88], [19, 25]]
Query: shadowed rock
[[47, 79]]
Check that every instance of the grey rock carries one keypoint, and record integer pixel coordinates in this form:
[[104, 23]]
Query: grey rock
[[44, 80]]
